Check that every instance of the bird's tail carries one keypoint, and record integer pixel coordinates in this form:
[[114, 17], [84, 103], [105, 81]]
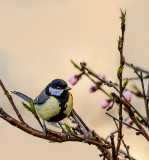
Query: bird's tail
[[79, 121], [24, 97]]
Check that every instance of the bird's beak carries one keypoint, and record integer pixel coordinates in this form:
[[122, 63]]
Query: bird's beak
[[67, 88]]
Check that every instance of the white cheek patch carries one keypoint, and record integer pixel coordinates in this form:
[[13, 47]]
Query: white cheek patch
[[55, 92]]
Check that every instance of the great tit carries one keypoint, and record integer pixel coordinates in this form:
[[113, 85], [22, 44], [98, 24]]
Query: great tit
[[53, 104]]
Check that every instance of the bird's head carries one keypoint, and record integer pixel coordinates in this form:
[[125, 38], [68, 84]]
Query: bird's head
[[57, 87]]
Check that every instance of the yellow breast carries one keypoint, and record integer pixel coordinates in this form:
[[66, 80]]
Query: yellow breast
[[69, 105], [49, 109]]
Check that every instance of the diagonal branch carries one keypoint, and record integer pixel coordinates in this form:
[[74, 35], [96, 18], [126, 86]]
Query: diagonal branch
[[115, 119], [109, 84], [137, 68], [144, 94], [55, 136], [127, 150], [12, 102], [132, 115]]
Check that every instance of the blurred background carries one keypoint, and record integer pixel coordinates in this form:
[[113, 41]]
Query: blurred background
[[37, 41]]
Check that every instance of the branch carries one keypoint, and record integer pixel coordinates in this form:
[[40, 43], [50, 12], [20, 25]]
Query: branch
[[109, 84], [119, 75], [132, 115], [137, 68], [55, 136], [144, 95], [81, 69], [127, 150], [125, 154], [115, 119], [114, 132], [11, 102], [147, 95], [113, 147], [136, 78]]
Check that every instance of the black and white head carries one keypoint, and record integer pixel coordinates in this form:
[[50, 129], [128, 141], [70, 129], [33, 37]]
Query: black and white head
[[57, 87]]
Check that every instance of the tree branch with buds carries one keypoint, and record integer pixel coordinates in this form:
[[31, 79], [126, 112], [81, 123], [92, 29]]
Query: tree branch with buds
[[110, 147]]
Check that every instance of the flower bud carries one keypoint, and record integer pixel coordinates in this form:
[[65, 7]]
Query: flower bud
[[84, 63], [102, 76], [74, 79], [105, 104], [127, 95], [93, 87], [130, 123]]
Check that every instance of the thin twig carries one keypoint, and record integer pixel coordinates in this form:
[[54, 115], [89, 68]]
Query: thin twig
[[147, 96], [111, 105], [136, 78], [38, 119], [98, 86], [11, 102], [127, 150], [110, 84], [81, 69], [125, 154], [111, 134], [144, 94], [114, 132], [137, 68], [123, 122], [145, 99], [136, 111]]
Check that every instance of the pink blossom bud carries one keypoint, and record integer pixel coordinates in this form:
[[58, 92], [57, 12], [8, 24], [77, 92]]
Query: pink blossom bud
[[102, 76], [74, 79], [105, 104], [93, 87], [127, 95], [130, 123], [84, 63]]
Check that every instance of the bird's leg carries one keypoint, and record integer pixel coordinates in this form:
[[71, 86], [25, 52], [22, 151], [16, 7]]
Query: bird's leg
[[44, 128], [63, 130]]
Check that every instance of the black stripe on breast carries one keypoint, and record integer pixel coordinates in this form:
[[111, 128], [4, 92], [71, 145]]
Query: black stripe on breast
[[63, 99], [58, 117]]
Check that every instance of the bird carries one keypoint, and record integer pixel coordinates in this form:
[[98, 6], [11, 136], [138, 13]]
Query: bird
[[53, 104]]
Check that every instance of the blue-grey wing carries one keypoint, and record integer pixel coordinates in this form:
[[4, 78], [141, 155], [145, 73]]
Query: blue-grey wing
[[21, 95], [42, 98]]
